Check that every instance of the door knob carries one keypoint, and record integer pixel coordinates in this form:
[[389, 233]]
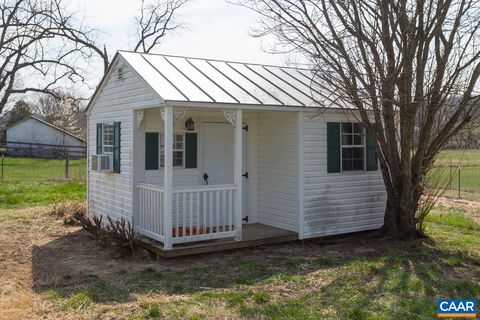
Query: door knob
[[205, 177]]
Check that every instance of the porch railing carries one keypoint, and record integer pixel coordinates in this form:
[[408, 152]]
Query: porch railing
[[198, 213], [151, 219]]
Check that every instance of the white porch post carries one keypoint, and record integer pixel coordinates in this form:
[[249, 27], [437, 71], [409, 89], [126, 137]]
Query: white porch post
[[238, 174], [168, 177]]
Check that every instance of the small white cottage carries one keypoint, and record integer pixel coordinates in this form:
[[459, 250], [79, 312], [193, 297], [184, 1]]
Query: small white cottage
[[192, 151]]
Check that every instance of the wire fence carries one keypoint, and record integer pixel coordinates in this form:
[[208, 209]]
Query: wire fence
[[458, 171], [28, 162]]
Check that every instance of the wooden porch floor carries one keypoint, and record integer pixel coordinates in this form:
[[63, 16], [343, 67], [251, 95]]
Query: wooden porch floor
[[254, 234]]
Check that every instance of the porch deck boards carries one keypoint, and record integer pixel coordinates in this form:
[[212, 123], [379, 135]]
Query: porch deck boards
[[254, 234]]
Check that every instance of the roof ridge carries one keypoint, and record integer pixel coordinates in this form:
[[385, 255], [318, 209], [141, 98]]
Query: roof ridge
[[216, 60]]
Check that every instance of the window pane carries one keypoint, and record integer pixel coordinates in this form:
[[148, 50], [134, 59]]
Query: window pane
[[357, 153], [177, 150], [346, 153], [357, 139], [177, 158], [346, 127], [357, 128], [347, 165], [347, 140], [358, 164]]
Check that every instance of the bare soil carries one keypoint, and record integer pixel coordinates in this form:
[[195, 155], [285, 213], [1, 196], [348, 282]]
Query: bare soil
[[472, 207]]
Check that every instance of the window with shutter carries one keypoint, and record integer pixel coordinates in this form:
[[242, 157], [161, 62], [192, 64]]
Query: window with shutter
[[350, 148]]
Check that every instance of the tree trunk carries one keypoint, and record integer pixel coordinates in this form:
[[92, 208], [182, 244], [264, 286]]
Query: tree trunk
[[399, 219]]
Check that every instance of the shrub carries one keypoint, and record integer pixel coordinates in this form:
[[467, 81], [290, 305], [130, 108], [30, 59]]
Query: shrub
[[116, 232]]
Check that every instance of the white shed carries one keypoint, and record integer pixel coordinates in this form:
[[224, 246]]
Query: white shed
[[191, 150], [35, 137]]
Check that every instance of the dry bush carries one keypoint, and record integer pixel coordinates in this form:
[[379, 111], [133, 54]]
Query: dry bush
[[68, 210], [116, 232]]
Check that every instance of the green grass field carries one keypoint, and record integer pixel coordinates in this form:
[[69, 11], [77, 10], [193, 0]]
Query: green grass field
[[465, 172], [31, 182]]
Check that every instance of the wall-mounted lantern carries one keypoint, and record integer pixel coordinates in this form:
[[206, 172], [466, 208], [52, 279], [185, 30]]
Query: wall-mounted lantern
[[190, 125]]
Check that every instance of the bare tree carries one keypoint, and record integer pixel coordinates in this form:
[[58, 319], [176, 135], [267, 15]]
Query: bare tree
[[155, 21], [406, 68], [34, 56], [43, 47]]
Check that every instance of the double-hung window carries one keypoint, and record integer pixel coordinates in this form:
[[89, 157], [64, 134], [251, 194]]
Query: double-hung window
[[353, 146], [178, 150], [107, 136]]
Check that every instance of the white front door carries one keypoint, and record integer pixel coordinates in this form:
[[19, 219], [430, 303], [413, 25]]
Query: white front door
[[217, 143], [217, 153]]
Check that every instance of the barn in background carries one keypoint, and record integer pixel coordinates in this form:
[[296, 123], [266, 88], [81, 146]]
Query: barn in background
[[34, 137]]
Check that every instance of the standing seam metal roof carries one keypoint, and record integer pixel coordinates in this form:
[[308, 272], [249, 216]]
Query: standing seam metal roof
[[177, 78]]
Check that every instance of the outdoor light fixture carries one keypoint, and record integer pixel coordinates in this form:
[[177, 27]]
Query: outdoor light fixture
[[190, 125]]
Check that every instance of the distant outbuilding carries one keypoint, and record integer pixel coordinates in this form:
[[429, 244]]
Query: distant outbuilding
[[35, 137]]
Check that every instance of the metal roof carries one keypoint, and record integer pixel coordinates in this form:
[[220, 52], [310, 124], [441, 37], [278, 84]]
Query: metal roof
[[185, 79]]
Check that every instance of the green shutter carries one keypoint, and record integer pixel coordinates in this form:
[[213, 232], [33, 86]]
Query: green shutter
[[151, 150], [333, 147], [372, 157], [190, 150], [99, 138], [116, 147]]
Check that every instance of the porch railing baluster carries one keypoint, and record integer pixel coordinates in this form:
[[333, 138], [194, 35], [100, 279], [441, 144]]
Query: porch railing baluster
[[198, 214]]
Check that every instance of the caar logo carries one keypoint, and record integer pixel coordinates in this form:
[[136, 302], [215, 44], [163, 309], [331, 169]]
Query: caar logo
[[456, 308]]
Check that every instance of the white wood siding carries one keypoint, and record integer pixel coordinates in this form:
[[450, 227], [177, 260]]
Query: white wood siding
[[336, 203], [277, 170], [111, 194]]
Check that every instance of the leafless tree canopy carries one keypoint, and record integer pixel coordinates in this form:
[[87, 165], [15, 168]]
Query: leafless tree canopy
[[44, 48], [34, 54], [408, 68], [155, 21]]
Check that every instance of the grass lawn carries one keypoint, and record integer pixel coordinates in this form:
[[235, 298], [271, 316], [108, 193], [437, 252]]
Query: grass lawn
[[31, 182], [459, 157], [50, 271], [469, 162]]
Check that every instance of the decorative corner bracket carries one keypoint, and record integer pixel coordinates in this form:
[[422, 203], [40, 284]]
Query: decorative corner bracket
[[231, 116], [178, 114], [140, 116]]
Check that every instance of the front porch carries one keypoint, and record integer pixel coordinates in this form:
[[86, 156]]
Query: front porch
[[253, 235], [238, 190]]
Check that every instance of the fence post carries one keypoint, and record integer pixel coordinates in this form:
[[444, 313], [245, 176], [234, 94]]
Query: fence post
[[451, 177], [3, 158], [66, 165], [459, 180]]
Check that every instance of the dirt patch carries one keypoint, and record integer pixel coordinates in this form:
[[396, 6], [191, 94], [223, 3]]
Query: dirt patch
[[472, 207]]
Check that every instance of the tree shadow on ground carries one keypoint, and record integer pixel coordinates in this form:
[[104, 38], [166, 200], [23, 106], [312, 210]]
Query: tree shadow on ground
[[357, 273]]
